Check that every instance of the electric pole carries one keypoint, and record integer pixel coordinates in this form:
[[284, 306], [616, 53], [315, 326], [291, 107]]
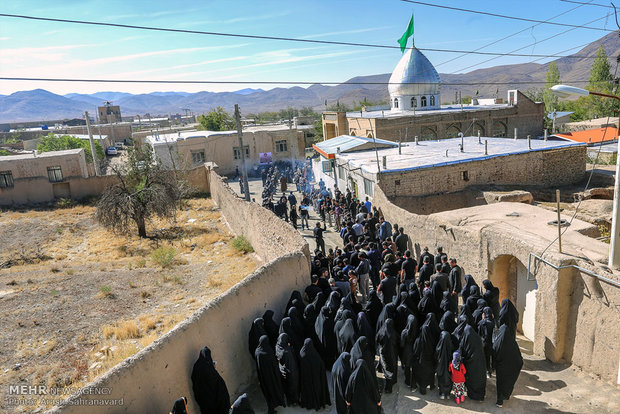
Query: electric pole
[[244, 172], [92, 145], [293, 139]]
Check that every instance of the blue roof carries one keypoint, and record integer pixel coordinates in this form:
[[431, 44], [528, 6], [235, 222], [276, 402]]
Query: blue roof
[[351, 143]]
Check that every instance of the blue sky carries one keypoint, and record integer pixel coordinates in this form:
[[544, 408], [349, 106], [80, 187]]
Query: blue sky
[[48, 49]]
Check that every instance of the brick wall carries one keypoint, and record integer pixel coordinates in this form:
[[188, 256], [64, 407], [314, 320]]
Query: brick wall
[[546, 168]]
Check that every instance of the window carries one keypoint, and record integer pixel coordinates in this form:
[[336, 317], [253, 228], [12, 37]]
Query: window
[[54, 174], [423, 101], [341, 172], [465, 175], [396, 182], [396, 103], [368, 187], [432, 100], [281, 146], [414, 102], [198, 157], [237, 152], [6, 179], [327, 166]]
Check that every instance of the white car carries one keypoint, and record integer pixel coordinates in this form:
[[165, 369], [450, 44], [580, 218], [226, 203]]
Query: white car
[[112, 151]]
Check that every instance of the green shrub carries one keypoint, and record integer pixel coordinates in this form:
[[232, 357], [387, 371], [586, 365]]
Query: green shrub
[[242, 244], [105, 292], [164, 256], [65, 203]]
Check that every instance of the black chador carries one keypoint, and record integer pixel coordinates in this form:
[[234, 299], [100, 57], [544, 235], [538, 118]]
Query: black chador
[[256, 331], [324, 328], [289, 369], [341, 371], [346, 336], [314, 392], [424, 359], [387, 348], [269, 375], [508, 362], [241, 406], [472, 353], [361, 394], [209, 387], [271, 327], [407, 340], [443, 356]]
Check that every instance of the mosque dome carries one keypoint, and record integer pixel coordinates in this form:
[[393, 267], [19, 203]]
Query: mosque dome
[[414, 81]]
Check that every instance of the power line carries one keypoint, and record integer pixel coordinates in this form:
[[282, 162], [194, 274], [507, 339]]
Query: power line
[[511, 35], [587, 4], [287, 39], [523, 19], [262, 82], [531, 44]]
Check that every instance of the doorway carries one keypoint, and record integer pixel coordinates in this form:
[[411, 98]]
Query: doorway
[[510, 276]]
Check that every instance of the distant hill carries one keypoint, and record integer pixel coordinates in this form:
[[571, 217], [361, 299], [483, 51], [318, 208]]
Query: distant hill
[[39, 104]]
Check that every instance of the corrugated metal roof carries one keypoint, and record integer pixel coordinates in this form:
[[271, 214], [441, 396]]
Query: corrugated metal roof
[[591, 136], [348, 143]]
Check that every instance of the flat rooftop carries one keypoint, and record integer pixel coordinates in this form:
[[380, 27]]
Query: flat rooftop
[[433, 153], [167, 138], [49, 154], [423, 112]]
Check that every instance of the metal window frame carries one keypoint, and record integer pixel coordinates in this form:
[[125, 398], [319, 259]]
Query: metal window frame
[[55, 170], [6, 179]]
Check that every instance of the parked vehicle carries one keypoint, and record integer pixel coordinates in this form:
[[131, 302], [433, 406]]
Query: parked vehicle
[[112, 151]]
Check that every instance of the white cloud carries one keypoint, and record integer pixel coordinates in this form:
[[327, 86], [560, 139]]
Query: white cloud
[[236, 19]]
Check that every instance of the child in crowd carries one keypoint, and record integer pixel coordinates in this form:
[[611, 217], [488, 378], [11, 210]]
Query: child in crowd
[[457, 371]]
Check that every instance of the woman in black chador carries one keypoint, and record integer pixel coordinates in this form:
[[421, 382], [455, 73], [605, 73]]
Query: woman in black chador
[[314, 390], [424, 359], [472, 353], [407, 340], [361, 396], [289, 369], [209, 387], [241, 406], [269, 375], [324, 328], [387, 347], [256, 331], [271, 327], [443, 356], [508, 361], [341, 371]]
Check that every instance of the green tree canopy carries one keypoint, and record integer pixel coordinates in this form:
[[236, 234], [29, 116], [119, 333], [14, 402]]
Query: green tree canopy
[[601, 80], [53, 142], [216, 120]]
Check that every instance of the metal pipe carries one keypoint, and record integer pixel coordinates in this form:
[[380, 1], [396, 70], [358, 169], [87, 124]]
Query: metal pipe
[[486, 147], [479, 142], [581, 269], [516, 130], [546, 135], [462, 142], [446, 153], [557, 196], [399, 148], [416, 140], [529, 141]]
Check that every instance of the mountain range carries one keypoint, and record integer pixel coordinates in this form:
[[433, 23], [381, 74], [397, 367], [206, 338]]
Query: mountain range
[[40, 104]]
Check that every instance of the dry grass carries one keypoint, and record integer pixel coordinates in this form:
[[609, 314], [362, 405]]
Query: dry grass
[[121, 330]]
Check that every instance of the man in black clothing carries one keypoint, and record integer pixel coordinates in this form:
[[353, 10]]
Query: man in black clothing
[[438, 255], [401, 240], [312, 290], [323, 282], [354, 260], [408, 268], [455, 281], [318, 237], [387, 286], [425, 272], [292, 200], [425, 253], [445, 266]]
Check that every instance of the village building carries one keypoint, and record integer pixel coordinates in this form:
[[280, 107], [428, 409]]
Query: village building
[[263, 145], [448, 165], [415, 110]]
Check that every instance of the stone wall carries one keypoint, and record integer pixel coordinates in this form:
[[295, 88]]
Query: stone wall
[[545, 168], [576, 315], [152, 379]]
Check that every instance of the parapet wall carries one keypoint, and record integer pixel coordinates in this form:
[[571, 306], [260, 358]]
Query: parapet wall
[[576, 315], [268, 234], [151, 380]]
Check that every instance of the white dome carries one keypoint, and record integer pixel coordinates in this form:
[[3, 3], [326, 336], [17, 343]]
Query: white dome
[[414, 75]]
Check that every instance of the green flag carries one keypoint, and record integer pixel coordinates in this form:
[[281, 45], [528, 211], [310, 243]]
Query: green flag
[[408, 33]]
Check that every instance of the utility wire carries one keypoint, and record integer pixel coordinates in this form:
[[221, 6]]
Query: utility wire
[[523, 19], [526, 46], [586, 4], [288, 39], [509, 36], [262, 82]]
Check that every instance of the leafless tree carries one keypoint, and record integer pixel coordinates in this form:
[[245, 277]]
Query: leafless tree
[[144, 189]]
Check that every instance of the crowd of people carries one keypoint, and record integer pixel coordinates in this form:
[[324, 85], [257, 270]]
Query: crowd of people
[[366, 309]]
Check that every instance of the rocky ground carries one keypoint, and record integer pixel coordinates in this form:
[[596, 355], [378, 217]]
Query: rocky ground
[[76, 299]]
